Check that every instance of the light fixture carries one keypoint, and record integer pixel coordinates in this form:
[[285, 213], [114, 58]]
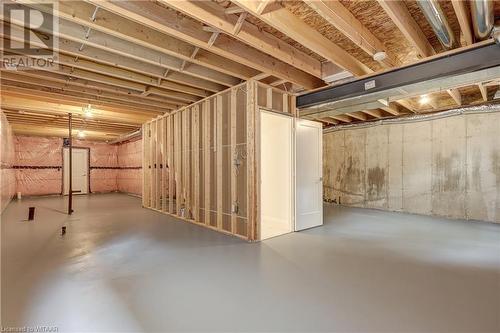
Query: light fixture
[[424, 99], [87, 110], [379, 56], [81, 134]]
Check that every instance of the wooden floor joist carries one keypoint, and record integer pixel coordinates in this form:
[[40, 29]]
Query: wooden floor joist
[[167, 22]]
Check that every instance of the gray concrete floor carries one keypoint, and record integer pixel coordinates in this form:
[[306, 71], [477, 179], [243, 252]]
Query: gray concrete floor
[[124, 268]]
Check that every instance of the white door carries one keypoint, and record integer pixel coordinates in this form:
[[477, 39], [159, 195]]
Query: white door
[[309, 174], [80, 166]]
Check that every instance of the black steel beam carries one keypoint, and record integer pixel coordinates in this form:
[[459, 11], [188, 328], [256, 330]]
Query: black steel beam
[[470, 60]]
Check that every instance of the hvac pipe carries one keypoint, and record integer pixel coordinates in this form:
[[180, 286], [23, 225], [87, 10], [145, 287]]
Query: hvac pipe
[[437, 20], [482, 18]]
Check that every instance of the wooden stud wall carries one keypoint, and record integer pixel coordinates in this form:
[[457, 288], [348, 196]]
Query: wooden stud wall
[[200, 162]]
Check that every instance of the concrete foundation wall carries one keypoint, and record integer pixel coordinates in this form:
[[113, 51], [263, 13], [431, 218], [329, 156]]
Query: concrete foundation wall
[[448, 166]]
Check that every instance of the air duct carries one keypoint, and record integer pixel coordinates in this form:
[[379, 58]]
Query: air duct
[[436, 18], [482, 18]]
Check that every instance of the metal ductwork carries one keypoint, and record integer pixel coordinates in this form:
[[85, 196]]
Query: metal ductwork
[[482, 18], [436, 18]]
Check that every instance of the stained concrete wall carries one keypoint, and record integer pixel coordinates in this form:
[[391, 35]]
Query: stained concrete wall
[[448, 166]]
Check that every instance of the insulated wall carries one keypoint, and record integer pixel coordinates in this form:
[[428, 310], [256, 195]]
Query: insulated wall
[[200, 162], [38, 165], [446, 165], [129, 177], [7, 173]]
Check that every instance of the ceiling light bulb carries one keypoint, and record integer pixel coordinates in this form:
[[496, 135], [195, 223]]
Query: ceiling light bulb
[[424, 99], [81, 134], [87, 110]]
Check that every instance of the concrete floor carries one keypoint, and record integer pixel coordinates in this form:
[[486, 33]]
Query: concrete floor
[[124, 268]]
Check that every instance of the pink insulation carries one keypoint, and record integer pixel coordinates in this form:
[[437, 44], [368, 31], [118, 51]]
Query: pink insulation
[[7, 157], [38, 163], [101, 153], [130, 162]]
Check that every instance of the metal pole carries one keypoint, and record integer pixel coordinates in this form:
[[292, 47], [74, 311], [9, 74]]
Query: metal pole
[[70, 190]]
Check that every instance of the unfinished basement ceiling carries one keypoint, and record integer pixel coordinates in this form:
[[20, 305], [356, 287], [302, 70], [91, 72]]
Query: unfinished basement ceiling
[[132, 61]]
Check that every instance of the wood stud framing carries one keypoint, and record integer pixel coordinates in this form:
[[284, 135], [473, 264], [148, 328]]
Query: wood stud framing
[[200, 162]]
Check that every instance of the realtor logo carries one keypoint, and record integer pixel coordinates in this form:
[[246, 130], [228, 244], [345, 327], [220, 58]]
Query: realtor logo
[[29, 35]]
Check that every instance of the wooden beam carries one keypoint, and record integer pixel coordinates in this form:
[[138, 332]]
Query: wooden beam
[[213, 15], [374, 113], [213, 38], [170, 163], [195, 153], [484, 91], [163, 165], [106, 48], [178, 162], [392, 108], [263, 4], [167, 22], [72, 83], [233, 10], [357, 115], [55, 87], [260, 76], [232, 165], [455, 94], [239, 23], [342, 19], [115, 76], [277, 83], [406, 105], [36, 130], [433, 102], [52, 105], [399, 14], [79, 97], [329, 121], [113, 32], [341, 117], [219, 158], [103, 69], [287, 23], [464, 20], [145, 136], [205, 114]]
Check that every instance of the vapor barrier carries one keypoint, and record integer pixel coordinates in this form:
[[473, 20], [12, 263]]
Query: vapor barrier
[[7, 173]]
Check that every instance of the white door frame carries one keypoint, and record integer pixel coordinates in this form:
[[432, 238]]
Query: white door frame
[[87, 167], [292, 169]]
